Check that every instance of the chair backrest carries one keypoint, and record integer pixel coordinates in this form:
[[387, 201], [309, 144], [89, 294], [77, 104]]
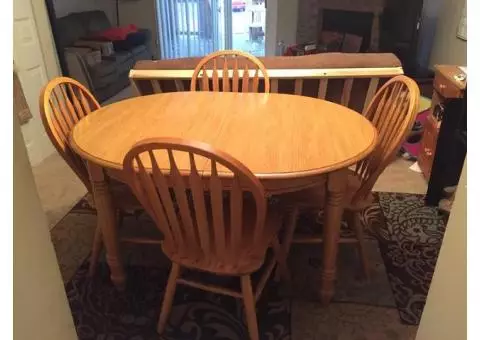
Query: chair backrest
[[63, 102], [236, 71], [392, 111], [200, 217]]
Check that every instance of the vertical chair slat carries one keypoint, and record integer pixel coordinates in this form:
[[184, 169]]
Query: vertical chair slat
[[274, 86], [136, 88], [396, 125], [225, 79], [347, 89], [216, 86], [386, 117], [372, 116], [392, 117], [157, 88], [149, 188], [78, 108], [397, 117], [166, 198], [196, 185], [61, 105], [236, 213], [236, 79], [205, 82], [70, 109], [217, 210], [58, 129], [255, 81], [298, 87], [322, 88], [182, 202], [372, 88], [245, 80], [60, 120], [375, 115], [85, 104], [179, 85]]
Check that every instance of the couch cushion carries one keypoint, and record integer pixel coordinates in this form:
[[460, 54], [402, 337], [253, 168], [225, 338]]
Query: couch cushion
[[119, 83], [132, 40], [138, 50], [119, 57], [143, 54], [69, 29], [109, 69], [110, 64], [94, 21]]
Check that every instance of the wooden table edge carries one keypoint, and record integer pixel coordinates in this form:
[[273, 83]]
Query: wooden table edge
[[265, 176]]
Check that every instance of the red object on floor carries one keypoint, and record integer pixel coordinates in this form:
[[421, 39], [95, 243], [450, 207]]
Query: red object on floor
[[117, 33]]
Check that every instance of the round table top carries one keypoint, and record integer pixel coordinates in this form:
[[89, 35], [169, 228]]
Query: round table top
[[274, 135]]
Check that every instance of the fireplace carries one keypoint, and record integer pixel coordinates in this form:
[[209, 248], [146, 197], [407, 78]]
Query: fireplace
[[393, 29], [352, 22]]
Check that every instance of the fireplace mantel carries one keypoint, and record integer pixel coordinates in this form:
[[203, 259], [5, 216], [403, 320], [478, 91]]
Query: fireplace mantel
[[310, 14]]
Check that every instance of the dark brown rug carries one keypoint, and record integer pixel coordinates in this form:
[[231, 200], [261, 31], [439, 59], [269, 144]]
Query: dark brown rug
[[410, 243], [101, 312], [405, 232]]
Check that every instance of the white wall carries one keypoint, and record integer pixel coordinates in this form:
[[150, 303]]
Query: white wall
[[271, 28], [447, 48], [36, 62], [65, 7], [40, 307], [445, 313], [281, 25], [287, 21], [430, 13]]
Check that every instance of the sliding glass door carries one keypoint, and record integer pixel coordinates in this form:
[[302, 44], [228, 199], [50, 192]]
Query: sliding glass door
[[190, 28], [193, 28]]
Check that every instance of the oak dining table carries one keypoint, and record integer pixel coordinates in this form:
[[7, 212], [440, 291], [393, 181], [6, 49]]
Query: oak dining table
[[289, 142]]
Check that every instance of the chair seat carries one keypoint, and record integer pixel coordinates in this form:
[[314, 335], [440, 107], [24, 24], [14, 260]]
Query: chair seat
[[249, 259], [314, 197]]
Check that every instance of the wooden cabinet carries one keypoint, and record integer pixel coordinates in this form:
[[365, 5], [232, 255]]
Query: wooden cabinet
[[445, 87]]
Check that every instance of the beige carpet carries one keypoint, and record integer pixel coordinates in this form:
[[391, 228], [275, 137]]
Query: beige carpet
[[60, 189]]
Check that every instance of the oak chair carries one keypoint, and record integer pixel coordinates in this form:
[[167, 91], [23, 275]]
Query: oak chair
[[63, 102], [211, 223], [244, 75], [392, 111]]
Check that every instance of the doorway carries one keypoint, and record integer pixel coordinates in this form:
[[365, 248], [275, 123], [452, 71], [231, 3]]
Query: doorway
[[194, 28], [248, 26]]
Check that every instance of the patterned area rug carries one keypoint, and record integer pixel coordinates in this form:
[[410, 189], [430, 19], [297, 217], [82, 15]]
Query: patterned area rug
[[410, 243], [402, 249], [101, 312]]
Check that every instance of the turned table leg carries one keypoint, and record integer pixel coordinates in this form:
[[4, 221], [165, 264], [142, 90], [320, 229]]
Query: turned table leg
[[107, 221], [336, 187]]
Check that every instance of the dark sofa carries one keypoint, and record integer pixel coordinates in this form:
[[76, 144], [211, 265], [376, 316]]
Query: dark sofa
[[108, 77]]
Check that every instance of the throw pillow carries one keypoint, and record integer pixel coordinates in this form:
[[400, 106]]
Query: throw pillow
[[131, 40]]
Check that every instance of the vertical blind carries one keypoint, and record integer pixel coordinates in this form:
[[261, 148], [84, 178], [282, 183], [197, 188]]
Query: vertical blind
[[189, 28]]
